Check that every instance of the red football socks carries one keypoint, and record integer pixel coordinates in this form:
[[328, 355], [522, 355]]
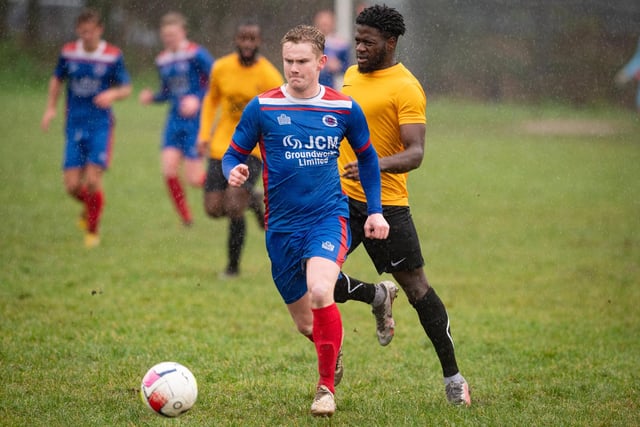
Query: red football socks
[[95, 203], [327, 337], [179, 199]]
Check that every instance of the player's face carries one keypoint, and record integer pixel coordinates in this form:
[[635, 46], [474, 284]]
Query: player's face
[[90, 32], [373, 50], [248, 42], [302, 65], [172, 36]]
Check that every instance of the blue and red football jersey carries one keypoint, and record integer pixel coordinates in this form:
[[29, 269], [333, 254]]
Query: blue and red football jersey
[[88, 74], [299, 140], [183, 72]]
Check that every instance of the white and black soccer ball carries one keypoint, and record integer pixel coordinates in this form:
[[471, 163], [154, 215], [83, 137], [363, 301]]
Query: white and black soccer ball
[[169, 389]]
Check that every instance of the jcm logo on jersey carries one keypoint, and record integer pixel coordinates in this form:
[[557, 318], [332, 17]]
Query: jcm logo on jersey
[[316, 151], [319, 142]]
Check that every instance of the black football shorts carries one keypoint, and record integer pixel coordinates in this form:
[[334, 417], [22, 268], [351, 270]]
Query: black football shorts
[[400, 251]]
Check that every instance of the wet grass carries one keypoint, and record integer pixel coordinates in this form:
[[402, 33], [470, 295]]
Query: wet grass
[[532, 240]]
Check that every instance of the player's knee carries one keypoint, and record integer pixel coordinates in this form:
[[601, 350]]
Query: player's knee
[[213, 210], [320, 294], [305, 329]]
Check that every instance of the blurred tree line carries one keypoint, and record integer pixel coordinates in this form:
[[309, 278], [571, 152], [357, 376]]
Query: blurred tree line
[[514, 50]]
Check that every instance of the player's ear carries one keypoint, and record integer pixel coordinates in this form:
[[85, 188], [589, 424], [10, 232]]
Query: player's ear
[[323, 61], [391, 43]]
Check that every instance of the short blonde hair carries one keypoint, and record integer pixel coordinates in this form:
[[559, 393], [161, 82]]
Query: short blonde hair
[[174, 18], [305, 34]]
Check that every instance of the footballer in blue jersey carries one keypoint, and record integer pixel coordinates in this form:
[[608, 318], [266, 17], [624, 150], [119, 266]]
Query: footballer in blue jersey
[[299, 128], [184, 68], [96, 77]]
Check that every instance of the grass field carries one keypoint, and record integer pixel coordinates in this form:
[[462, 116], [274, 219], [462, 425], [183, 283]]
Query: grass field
[[532, 240]]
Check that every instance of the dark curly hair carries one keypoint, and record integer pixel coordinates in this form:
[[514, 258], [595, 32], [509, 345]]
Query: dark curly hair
[[386, 19]]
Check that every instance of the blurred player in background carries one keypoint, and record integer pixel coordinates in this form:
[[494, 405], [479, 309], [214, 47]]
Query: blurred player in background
[[336, 48], [395, 105], [631, 71], [96, 77], [184, 68], [235, 79], [299, 128]]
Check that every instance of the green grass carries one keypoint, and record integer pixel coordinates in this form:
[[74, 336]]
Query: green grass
[[532, 241]]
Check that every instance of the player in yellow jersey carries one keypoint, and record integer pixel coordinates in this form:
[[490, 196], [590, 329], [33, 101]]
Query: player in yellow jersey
[[235, 79], [395, 105]]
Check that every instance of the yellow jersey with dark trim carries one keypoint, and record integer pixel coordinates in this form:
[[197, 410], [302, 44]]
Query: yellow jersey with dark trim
[[231, 87], [389, 98]]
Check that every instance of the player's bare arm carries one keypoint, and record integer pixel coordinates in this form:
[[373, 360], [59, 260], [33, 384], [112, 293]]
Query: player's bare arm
[[106, 98], [146, 96], [413, 136], [202, 146], [55, 87], [238, 175], [376, 227]]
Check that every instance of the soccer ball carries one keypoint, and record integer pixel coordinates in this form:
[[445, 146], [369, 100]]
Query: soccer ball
[[169, 389]]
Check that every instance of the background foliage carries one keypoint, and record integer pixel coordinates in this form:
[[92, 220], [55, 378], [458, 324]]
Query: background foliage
[[519, 50]]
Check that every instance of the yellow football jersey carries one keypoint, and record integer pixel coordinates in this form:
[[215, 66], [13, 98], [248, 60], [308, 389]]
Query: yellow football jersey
[[231, 87], [389, 98]]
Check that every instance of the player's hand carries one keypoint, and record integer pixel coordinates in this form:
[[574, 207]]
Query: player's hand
[[49, 114], [146, 96], [239, 175], [202, 146], [376, 227], [189, 106], [104, 99], [351, 171]]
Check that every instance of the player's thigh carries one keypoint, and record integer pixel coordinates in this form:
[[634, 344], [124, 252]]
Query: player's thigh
[[194, 170], [215, 185], [236, 201], [170, 159], [72, 179], [93, 177]]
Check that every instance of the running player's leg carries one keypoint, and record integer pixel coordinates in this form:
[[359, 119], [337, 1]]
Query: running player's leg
[[215, 193], [171, 158], [256, 201], [236, 201], [379, 295], [193, 163], [99, 148], [94, 202], [74, 160], [326, 247]]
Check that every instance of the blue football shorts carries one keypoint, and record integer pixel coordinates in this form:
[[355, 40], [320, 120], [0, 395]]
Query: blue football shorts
[[87, 144], [329, 238], [182, 134]]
